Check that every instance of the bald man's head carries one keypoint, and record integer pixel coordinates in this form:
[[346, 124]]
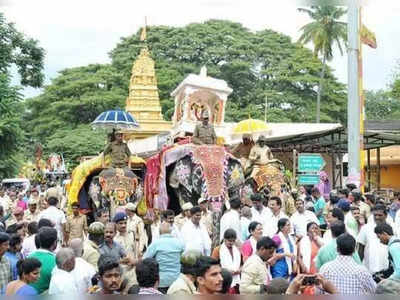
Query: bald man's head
[[77, 246], [165, 228]]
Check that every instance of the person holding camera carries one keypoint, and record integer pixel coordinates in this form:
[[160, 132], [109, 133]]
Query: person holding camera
[[307, 284]]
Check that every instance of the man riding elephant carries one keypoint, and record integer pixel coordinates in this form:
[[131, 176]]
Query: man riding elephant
[[119, 152], [118, 183], [204, 133], [242, 150], [260, 155]]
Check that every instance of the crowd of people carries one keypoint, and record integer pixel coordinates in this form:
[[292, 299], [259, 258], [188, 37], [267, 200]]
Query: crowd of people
[[344, 242]]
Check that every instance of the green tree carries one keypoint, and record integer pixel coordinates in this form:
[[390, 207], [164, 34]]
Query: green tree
[[77, 96], [324, 32], [380, 105], [75, 143], [24, 53]]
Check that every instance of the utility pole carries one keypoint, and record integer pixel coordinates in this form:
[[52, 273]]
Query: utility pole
[[353, 97]]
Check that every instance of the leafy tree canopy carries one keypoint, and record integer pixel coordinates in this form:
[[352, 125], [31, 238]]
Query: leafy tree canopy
[[24, 53], [75, 143], [381, 105]]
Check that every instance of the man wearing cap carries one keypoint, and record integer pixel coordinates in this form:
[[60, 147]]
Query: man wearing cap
[[76, 226], [136, 225], [184, 216], [119, 152], [91, 246], [32, 213], [18, 217], [204, 132], [124, 237], [206, 216], [35, 196], [185, 284], [260, 155]]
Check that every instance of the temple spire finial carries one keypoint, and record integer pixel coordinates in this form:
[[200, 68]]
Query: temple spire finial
[[143, 35]]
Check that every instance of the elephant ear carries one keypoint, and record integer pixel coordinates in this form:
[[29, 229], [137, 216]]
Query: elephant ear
[[197, 180]]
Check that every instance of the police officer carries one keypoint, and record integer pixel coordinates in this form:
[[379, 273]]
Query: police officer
[[204, 132], [119, 152]]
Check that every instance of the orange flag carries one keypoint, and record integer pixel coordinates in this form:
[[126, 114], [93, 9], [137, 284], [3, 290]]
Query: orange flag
[[368, 37]]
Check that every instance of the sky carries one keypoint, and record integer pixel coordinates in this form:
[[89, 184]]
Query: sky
[[79, 32]]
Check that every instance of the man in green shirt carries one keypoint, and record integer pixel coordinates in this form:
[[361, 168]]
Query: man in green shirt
[[48, 243], [119, 152], [329, 251]]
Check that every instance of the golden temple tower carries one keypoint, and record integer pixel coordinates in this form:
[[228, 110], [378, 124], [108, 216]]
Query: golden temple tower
[[143, 101]]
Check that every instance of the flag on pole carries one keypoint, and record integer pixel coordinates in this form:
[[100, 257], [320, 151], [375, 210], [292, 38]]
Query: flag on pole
[[368, 37]]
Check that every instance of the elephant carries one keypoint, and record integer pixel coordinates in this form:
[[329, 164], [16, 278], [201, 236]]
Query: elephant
[[271, 180], [214, 175], [113, 188]]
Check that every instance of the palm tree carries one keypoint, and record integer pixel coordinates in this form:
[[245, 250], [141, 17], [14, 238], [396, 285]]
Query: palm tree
[[324, 32]]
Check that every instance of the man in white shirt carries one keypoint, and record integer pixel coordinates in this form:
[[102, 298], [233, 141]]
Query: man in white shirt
[[83, 271], [28, 245], [301, 218], [231, 219], [62, 281], [245, 221], [168, 216], [372, 252], [195, 235], [55, 215], [206, 215], [184, 216], [5, 202], [271, 227], [259, 212]]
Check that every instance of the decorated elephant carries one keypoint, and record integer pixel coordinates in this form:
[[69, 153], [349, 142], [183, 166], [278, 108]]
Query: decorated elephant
[[117, 187], [97, 188], [271, 180], [193, 172]]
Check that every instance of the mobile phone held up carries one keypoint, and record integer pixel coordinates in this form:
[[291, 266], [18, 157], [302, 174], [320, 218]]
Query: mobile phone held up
[[309, 280]]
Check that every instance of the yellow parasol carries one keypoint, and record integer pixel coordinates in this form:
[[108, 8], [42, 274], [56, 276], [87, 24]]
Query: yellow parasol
[[250, 126]]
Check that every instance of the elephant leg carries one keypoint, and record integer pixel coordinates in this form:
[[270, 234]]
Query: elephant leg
[[216, 217]]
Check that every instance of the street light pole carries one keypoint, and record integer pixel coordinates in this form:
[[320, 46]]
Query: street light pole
[[353, 97]]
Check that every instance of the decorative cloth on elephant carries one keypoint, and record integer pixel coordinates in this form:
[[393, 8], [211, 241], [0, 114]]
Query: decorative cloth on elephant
[[270, 175], [213, 160], [151, 180], [167, 157]]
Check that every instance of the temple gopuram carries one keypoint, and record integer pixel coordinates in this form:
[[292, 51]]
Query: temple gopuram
[[143, 101]]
